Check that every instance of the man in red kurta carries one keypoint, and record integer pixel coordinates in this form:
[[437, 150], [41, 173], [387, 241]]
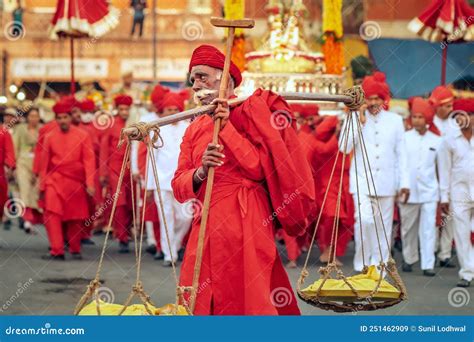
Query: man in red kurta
[[7, 160], [325, 153], [87, 108], [111, 159], [262, 179], [66, 181]]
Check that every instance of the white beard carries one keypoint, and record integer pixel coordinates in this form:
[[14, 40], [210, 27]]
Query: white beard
[[202, 94]]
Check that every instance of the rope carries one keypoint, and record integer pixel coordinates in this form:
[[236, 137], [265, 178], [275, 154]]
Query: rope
[[351, 115], [179, 289], [94, 284], [335, 228], [357, 95]]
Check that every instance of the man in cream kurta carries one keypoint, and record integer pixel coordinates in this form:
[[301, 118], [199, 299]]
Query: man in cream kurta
[[383, 135]]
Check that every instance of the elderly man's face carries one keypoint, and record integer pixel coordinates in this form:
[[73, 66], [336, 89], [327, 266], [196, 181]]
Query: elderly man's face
[[205, 81]]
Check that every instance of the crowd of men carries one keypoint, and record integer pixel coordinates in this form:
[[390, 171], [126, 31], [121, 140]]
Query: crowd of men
[[355, 176]]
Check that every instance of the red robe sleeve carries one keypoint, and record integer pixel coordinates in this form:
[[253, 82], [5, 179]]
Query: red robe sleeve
[[9, 150], [88, 158], [284, 161], [243, 151], [182, 182]]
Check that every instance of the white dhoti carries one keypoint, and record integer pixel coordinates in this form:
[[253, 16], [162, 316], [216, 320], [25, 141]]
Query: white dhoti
[[373, 230], [178, 220], [463, 225], [418, 225]]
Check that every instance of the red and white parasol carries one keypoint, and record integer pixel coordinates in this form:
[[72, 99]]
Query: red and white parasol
[[82, 18], [446, 21]]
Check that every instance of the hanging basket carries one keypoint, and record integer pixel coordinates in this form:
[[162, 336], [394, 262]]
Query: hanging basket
[[366, 291]]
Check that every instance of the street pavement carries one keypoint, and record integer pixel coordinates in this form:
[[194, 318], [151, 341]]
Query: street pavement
[[32, 286]]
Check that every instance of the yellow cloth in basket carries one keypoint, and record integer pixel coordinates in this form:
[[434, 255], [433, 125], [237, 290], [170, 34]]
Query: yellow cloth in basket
[[363, 283], [110, 309]]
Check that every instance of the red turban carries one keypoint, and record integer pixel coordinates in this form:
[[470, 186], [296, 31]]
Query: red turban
[[123, 99], [466, 105], [173, 100], [211, 56], [326, 128], [62, 106], [422, 106], [157, 96], [72, 101], [375, 85], [441, 95], [309, 110], [87, 105]]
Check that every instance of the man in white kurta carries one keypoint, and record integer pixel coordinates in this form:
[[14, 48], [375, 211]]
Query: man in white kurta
[[418, 212], [178, 216], [457, 188], [383, 135], [442, 100]]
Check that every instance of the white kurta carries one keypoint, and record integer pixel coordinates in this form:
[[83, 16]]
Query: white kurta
[[457, 187], [383, 137], [178, 216], [418, 216]]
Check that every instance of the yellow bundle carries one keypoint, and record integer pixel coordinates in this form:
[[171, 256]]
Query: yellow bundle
[[110, 309], [364, 284]]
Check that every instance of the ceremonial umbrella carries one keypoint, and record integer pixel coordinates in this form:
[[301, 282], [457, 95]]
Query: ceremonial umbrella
[[82, 18], [446, 21]]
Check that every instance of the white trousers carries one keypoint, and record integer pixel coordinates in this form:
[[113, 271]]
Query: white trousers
[[463, 224], [367, 247], [418, 224], [178, 220], [446, 237], [150, 234]]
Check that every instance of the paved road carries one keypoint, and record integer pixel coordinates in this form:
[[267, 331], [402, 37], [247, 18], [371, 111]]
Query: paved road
[[32, 286]]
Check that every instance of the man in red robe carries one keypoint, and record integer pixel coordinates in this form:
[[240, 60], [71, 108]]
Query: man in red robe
[[324, 157], [86, 115], [7, 160], [66, 181], [262, 179], [111, 159], [307, 120]]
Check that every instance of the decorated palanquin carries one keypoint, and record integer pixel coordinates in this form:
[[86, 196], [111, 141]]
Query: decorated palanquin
[[285, 61]]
